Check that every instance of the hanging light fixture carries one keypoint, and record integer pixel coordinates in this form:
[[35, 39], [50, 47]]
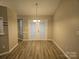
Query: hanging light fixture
[[36, 17]]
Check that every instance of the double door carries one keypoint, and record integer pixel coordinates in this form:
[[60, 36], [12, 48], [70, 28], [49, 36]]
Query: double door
[[38, 30]]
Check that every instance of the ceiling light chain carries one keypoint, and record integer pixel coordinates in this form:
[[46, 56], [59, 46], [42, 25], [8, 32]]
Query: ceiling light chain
[[36, 14], [36, 4]]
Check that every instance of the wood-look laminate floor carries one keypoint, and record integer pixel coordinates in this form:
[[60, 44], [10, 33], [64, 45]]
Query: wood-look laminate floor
[[39, 49]]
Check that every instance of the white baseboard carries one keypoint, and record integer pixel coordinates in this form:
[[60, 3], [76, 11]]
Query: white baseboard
[[13, 48], [33, 39], [7, 52], [25, 39], [61, 50], [4, 53]]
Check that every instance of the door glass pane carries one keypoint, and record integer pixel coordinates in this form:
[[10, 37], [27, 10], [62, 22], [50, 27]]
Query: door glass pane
[[32, 30], [42, 30]]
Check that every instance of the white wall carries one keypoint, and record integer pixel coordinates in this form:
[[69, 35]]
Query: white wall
[[12, 28], [66, 27]]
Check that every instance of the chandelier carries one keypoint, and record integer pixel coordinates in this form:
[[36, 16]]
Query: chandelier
[[36, 10]]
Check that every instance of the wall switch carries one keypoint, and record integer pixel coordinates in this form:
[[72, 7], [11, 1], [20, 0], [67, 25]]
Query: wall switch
[[77, 32], [3, 47]]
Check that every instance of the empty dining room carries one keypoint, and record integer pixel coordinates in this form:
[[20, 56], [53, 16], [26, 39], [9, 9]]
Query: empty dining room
[[39, 29]]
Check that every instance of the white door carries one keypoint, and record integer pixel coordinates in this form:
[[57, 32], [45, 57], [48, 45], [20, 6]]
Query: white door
[[37, 30]]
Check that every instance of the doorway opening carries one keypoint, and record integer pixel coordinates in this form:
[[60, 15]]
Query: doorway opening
[[20, 29]]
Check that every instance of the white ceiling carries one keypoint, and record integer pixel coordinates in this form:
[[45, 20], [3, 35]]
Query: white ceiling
[[27, 7]]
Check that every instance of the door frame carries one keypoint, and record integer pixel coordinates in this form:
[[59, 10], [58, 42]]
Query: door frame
[[46, 31]]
